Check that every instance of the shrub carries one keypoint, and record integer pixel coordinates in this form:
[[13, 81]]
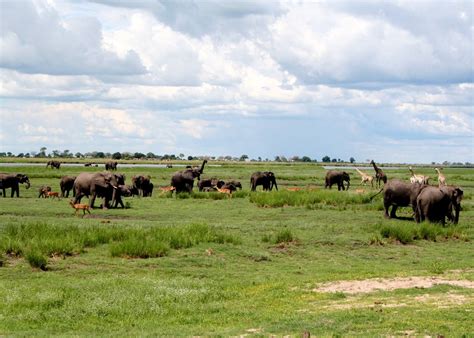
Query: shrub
[[284, 236], [36, 259], [401, 233]]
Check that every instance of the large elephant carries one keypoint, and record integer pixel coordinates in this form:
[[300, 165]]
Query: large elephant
[[53, 164], [13, 181], [183, 180], [143, 185], [266, 179], [102, 184], [111, 165], [210, 183], [397, 193], [67, 184], [337, 177], [434, 204]]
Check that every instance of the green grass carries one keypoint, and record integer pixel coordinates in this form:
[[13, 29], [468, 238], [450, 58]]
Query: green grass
[[205, 264]]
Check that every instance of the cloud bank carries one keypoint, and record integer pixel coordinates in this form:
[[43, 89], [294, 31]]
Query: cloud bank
[[391, 81]]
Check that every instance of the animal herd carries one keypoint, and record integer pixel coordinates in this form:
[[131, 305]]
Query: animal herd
[[432, 203]]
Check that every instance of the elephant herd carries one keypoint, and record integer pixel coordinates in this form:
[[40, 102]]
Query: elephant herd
[[431, 203]]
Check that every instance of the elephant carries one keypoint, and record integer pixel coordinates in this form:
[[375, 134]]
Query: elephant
[[266, 179], [183, 181], [397, 193], [102, 184], [67, 184], [122, 190], [143, 185], [235, 183], [210, 183], [12, 181], [111, 165], [337, 177], [43, 190], [434, 204], [53, 164], [229, 186]]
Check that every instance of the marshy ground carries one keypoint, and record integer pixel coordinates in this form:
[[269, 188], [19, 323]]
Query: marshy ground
[[287, 262]]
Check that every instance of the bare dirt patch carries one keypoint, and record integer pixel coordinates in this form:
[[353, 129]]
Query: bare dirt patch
[[389, 284]]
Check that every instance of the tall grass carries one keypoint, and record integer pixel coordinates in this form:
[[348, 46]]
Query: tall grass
[[308, 198], [50, 240], [407, 233]]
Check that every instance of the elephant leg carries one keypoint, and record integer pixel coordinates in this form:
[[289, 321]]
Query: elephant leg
[[386, 207], [92, 200], [393, 212]]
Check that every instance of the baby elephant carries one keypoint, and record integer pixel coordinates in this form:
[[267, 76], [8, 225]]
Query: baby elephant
[[43, 191]]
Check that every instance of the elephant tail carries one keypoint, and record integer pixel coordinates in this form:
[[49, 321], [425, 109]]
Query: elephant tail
[[372, 197]]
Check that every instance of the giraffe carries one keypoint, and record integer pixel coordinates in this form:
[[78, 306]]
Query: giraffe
[[379, 174], [365, 178], [422, 179], [441, 178]]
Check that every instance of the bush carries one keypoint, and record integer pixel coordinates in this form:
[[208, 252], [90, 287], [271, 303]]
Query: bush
[[36, 259], [284, 236]]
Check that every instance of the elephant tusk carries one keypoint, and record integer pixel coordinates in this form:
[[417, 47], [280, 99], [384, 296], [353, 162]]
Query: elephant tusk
[[114, 186]]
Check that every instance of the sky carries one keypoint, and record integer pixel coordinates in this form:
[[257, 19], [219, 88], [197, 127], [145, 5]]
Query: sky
[[385, 80]]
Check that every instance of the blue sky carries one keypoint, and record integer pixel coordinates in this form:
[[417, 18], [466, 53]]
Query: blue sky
[[390, 81]]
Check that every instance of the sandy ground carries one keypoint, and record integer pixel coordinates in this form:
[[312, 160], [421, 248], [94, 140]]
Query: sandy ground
[[389, 284]]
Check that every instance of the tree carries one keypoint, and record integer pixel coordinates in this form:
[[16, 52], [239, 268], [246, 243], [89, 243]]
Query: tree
[[117, 156], [42, 152], [190, 158], [306, 159], [334, 160], [352, 160], [326, 159], [181, 156], [78, 155], [20, 155], [139, 155], [243, 158], [277, 159], [150, 155]]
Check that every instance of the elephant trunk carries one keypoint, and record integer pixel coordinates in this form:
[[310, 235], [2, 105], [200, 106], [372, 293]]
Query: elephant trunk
[[114, 196], [202, 166], [274, 182], [457, 209]]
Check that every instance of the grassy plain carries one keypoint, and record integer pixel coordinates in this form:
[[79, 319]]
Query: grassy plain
[[230, 266]]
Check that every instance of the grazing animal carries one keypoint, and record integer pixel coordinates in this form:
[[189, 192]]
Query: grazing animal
[[183, 180], [422, 179], [441, 178], [78, 206], [365, 178], [67, 184], [53, 194], [266, 179], [111, 165], [293, 189], [43, 190], [53, 164], [379, 174], [235, 183], [210, 183], [13, 181], [337, 177], [227, 191], [167, 189]]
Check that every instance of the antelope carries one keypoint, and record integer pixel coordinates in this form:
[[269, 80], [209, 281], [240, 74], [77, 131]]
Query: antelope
[[225, 191], [52, 194], [293, 189], [365, 178], [422, 179], [167, 189], [78, 206], [441, 178]]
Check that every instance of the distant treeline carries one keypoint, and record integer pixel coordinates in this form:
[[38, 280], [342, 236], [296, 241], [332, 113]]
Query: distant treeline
[[180, 157]]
